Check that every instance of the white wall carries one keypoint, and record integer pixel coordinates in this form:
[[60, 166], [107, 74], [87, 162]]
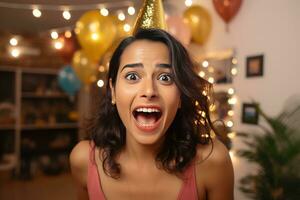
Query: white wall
[[271, 27]]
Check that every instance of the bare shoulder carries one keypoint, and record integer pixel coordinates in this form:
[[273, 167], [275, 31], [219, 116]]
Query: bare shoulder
[[214, 170], [215, 153], [79, 159]]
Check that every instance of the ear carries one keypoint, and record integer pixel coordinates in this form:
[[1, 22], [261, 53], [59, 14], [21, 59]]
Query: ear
[[112, 91]]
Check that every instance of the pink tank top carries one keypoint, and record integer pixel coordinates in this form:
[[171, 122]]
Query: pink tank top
[[188, 189]]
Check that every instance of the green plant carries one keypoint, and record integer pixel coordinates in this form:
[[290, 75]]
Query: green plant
[[276, 151]]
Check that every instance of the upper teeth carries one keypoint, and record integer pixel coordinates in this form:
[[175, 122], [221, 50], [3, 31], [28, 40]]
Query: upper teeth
[[149, 110]]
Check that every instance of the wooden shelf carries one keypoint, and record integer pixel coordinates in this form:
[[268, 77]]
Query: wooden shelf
[[7, 127], [49, 126], [31, 91], [33, 95], [46, 150]]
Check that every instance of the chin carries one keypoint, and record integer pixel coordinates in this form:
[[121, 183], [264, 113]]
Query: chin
[[147, 138]]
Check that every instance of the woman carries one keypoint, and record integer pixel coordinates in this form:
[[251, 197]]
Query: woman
[[151, 138]]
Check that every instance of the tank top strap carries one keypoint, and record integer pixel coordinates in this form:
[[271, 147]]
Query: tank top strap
[[93, 178], [189, 188]]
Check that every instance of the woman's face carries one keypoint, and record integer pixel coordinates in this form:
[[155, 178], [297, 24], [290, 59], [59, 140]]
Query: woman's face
[[145, 93]]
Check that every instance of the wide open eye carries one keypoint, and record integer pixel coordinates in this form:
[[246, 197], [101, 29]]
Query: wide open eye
[[131, 76], [166, 78]]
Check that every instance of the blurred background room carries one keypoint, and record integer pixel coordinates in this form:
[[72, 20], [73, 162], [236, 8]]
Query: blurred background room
[[54, 58]]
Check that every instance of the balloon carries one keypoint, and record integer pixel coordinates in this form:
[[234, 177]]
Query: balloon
[[179, 29], [227, 9], [199, 21], [120, 33], [68, 80], [70, 45], [151, 15], [105, 59], [95, 33], [85, 68]]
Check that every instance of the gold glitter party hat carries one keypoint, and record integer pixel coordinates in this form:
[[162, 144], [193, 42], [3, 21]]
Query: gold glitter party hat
[[151, 15]]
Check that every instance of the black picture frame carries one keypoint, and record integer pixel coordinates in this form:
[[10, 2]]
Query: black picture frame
[[255, 66], [250, 113]]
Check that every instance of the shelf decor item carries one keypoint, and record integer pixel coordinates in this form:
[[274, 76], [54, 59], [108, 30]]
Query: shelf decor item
[[255, 66], [250, 113]]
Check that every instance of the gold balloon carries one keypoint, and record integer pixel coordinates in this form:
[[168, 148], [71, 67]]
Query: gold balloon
[[120, 27], [151, 15], [105, 59], [85, 68], [199, 21], [95, 33]]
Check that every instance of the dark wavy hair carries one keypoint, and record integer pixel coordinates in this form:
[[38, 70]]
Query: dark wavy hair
[[191, 126]]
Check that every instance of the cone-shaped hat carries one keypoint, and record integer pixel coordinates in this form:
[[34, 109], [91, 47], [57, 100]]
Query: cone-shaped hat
[[151, 15]]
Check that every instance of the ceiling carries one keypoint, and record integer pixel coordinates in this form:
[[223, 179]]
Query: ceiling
[[20, 21]]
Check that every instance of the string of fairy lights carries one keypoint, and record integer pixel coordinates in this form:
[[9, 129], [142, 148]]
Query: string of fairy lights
[[66, 14], [232, 97]]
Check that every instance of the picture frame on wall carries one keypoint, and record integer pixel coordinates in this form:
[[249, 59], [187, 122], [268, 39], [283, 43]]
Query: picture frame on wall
[[255, 66], [250, 113]]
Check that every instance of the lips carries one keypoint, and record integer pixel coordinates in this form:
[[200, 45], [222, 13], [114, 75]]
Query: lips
[[147, 118]]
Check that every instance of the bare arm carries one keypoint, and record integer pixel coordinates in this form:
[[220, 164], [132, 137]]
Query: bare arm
[[216, 172], [79, 164]]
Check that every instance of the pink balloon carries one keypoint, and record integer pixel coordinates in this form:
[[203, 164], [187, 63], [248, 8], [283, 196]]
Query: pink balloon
[[179, 29]]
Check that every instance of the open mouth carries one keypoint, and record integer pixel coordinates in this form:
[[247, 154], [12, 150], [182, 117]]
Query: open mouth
[[147, 116]]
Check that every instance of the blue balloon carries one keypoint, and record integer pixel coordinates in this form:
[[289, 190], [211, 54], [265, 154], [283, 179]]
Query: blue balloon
[[68, 80]]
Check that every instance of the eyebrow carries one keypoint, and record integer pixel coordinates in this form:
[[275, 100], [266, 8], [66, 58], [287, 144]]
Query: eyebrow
[[134, 65]]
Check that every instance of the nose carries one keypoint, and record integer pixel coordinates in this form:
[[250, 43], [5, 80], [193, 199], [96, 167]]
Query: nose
[[149, 89]]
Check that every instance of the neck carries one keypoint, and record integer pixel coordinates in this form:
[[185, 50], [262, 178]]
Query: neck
[[141, 154]]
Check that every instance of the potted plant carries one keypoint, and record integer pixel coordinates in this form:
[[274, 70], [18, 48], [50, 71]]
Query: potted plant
[[276, 152]]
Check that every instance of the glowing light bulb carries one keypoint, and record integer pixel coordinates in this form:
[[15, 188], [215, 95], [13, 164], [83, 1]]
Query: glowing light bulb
[[36, 13], [15, 53], [104, 12], [188, 3], [131, 10], [234, 71], [127, 27], [100, 83], [231, 91], [211, 80], [54, 35], [101, 68], [13, 41], [68, 34], [201, 74], [232, 100], [205, 63], [66, 15], [229, 124], [230, 113], [231, 135], [121, 16], [58, 44]]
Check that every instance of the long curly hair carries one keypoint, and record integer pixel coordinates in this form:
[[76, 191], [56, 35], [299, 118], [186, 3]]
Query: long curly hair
[[191, 126]]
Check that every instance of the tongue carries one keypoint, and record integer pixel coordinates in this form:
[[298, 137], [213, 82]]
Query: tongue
[[146, 118]]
